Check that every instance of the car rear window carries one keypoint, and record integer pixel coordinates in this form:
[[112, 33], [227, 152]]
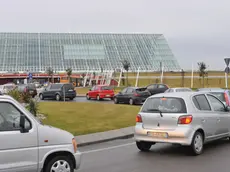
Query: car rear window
[[68, 86], [165, 105], [219, 95], [106, 88]]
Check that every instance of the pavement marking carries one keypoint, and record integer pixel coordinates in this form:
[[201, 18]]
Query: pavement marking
[[108, 148]]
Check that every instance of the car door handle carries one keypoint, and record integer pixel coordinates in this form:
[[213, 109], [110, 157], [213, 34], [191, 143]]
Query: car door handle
[[203, 120], [218, 120]]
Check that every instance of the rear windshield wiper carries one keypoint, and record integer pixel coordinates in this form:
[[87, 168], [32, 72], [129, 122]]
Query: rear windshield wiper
[[155, 110]]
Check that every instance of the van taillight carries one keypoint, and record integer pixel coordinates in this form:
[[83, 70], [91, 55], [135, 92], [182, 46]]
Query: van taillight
[[226, 98], [135, 94], [186, 119], [138, 118]]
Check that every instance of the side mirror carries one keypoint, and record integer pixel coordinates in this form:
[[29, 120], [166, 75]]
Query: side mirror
[[227, 108]]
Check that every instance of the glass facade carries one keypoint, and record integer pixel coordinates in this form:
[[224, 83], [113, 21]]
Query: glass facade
[[36, 52]]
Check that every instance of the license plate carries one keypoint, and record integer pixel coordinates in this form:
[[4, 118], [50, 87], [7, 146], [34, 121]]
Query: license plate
[[158, 134], [70, 90], [108, 95]]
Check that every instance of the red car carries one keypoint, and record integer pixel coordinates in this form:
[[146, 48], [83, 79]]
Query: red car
[[100, 92]]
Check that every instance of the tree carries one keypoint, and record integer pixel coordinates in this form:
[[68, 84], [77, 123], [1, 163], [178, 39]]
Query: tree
[[126, 66], [50, 72], [202, 70], [69, 73]]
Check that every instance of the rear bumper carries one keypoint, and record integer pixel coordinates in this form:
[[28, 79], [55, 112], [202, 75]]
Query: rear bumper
[[181, 135], [106, 95], [77, 157]]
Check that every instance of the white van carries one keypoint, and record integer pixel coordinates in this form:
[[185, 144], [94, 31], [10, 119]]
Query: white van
[[26, 145]]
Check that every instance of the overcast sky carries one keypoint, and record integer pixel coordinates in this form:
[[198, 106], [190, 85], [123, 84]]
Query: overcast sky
[[197, 30]]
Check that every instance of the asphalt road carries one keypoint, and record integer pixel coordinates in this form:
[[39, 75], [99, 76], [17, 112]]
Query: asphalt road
[[123, 156]]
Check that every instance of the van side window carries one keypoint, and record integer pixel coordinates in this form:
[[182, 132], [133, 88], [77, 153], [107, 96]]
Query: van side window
[[10, 118], [201, 103]]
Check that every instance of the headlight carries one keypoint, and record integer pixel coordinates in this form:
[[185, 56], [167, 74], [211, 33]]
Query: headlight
[[74, 142]]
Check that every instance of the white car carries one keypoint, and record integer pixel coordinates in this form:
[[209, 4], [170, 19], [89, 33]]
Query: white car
[[182, 89], [4, 89]]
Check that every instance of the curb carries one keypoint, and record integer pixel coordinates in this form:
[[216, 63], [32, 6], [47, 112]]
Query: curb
[[89, 139], [105, 140]]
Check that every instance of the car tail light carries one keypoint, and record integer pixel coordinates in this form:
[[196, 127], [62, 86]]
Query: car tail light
[[136, 95], [226, 98], [186, 119], [138, 118], [25, 89]]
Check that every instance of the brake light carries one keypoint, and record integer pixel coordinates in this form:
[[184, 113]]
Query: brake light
[[226, 98], [138, 118], [135, 94], [187, 119]]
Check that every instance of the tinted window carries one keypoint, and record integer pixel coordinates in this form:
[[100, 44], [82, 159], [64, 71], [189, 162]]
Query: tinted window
[[152, 86], [10, 118], [216, 104], [129, 90], [68, 87], [161, 86], [165, 105], [203, 102], [219, 95], [55, 86], [106, 88], [124, 90]]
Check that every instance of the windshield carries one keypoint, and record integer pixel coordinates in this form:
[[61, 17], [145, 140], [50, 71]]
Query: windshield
[[219, 95], [165, 105]]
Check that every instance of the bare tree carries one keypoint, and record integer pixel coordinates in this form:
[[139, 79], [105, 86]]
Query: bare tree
[[50, 72], [69, 73], [202, 70], [126, 66]]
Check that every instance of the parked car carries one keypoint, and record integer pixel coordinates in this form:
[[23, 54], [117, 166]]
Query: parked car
[[37, 85], [58, 92], [132, 95], [156, 88], [186, 118], [29, 145], [4, 89], [100, 92], [27, 88], [183, 89], [222, 94]]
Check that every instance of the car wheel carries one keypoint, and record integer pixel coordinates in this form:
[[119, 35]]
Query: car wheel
[[59, 163], [197, 144], [112, 98], [41, 96], [115, 100], [131, 101], [58, 97], [98, 97], [87, 97], [144, 146]]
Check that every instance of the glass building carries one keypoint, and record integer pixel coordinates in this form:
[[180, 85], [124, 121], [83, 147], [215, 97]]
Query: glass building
[[36, 52]]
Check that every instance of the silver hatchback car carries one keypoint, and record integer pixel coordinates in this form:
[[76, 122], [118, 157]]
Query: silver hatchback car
[[186, 118]]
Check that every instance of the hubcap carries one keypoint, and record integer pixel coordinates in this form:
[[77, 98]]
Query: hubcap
[[115, 100], [98, 98], [60, 166], [41, 96], [58, 97], [131, 101], [87, 96], [198, 143]]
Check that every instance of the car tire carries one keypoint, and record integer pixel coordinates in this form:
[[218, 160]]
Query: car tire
[[197, 144], [58, 164], [112, 98], [144, 146], [131, 101], [87, 97], [41, 97], [98, 98], [115, 100], [57, 97]]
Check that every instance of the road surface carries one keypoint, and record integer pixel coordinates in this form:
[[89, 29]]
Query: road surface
[[123, 156]]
